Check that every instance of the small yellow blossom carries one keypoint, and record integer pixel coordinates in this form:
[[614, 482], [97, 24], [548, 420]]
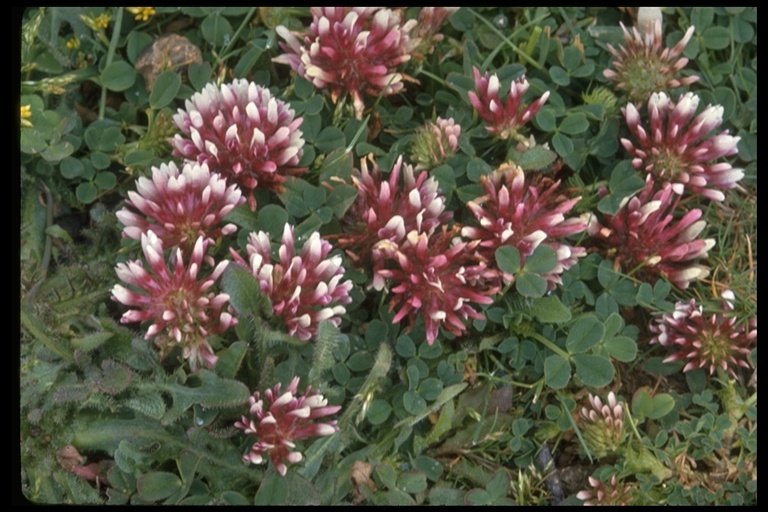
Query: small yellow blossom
[[102, 20], [26, 113], [142, 13], [98, 23], [73, 43]]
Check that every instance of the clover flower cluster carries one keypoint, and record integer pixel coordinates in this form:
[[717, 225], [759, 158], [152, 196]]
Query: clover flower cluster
[[435, 274], [281, 418], [350, 50], [706, 341], [612, 493], [524, 212], [178, 303], [642, 65], [603, 425], [427, 31], [305, 288], [180, 210], [503, 118], [180, 206], [675, 148], [439, 278], [431, 273], [646, 238], [243, 132], [435, 142], [386, 209]]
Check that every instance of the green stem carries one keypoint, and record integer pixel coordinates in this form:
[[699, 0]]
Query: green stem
[[110, 56], [434, 77], [512, 45], [237, 33], [48, 223], [631, 421], [358, 134], [574, 425], [37, 329], [551, 346], [504, 380]]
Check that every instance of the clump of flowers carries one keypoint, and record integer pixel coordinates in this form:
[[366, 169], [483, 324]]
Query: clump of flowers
[[606, 494], [644, 238], [603, 425], [504, 118], [435, 142], [676, 149], [280, 419], [178, 303], [524, 213], [386, 209], [243, 132], [437, 277], [304, 289], [709, 343], [350, 50], [26, 112], [73, 43], [180, 206], [642, 65], [427, 32], [97, 23], [142, 13]]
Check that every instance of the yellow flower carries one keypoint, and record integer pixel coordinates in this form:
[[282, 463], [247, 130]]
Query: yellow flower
[[142, 13], [26, 113], [99, 22], [102, 20], [73, 43]]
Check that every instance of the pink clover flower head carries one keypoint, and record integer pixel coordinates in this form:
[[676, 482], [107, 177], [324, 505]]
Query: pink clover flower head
[[645, 238], [180, 206], [704, 340], [642, 65], [503, 118], [439, 278], [305, 288], [387, 208], [427, 32], [676, 148], [350, 50], [606, 494], [524, 213], [175, 299], [280, 418], [603, 425], [243, 132], [435, 142]]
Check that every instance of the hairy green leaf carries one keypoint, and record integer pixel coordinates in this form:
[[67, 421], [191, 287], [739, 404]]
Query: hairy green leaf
[[213, 392], [244, 291], [230, 360], [322, 359], [147, 402], [157, 485], [115, 377]]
